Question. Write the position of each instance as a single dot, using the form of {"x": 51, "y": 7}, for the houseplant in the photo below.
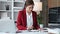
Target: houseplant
{"x": 39, "y": 20}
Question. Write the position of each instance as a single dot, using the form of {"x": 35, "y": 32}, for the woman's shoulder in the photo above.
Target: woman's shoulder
{"x": 21, "y": 11}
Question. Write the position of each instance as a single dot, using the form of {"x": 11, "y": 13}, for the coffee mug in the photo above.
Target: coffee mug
{"x": 41, "y": 25}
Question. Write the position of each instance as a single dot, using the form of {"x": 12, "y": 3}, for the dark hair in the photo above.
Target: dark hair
{"x": 29, "y": 2}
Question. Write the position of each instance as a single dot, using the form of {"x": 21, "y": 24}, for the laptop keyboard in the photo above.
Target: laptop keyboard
{"x": 54, "y": 26}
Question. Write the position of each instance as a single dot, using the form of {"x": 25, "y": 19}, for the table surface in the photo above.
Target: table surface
{"x": 40, "y": 32}
{"x": 34, "y": 33}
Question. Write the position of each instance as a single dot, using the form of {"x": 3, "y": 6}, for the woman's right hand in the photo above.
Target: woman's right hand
{"x": 30, "y": 28}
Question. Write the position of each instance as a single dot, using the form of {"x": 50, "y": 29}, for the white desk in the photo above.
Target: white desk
{"x": 55, "y": 30}
{"x": 27, "y": 33}
{"x": 34, "y": 33}
{"x": 39, "y": 32}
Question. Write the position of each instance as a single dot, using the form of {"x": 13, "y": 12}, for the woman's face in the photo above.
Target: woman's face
{"x": 29, "y": 8}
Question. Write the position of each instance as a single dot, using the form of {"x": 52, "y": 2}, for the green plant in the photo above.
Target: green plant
{"x": 39, "y": 18}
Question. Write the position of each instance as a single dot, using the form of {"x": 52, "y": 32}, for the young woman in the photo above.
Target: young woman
{"x": 27, "y": 19}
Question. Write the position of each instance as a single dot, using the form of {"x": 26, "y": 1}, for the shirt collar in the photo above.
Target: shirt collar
{"x": 27, "y": 13}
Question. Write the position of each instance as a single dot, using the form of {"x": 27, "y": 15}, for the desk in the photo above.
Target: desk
{"x": 27, "y": 33}
{"x": 34, "y": 33}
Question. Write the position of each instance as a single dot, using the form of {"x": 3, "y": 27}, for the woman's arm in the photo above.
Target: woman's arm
{"x": 19, "y": 22}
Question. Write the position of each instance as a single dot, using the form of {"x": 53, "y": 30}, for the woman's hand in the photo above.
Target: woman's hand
{"x": 30, "y": 28}
{"x": 18, "y": 31}
{"x": 40, "y": 29}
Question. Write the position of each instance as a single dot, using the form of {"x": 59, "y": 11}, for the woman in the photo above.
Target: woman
{"x": 27, "y": 19}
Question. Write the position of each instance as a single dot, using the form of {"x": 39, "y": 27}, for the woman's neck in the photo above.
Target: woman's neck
{"x": 29, "y": 13}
